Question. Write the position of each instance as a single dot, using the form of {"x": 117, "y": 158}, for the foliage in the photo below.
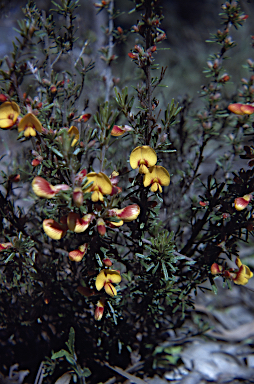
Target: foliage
{"x": 115, "y": 263}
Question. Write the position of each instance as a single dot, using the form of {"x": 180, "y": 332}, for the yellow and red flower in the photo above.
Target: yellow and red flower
{"x": 128, "y": 213}
{"x": 53, "y": 229}
{"x": 156, "y": 177}
{"x": 79, "y": 224}
{"x": 30, "y": 125}
{"x": 98, "y": 313}
{"x": 106, "y": 279}
{"x": 118, "y": 130}
{"x": 241, "y": 109}
{"x": 143, "y": 157}
{"x": 216, "y": 269}
{"x": 4, "y": 246}
{"x": 9, "y": 112}
{"x": 43, "y": 188}
{"x": 101, "y": 226}
{"x": 101, "y": 185}
{"x": 78, "y": 254}
{"x": 78, "y": 197}
{"x": 241, "y": 202}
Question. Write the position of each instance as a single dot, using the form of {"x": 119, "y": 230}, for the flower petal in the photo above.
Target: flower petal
{"x": 29, "y": 121}
{"x": 120, "y": 130}
{"x": 100, "y": 181}
{"x": 100, "y": 280}
{"x": 143, "y": 153}
{"x": 73, "y": 131}
{"x": 77, "y": 224}
{"x": 241, "y": 202}
{"x": 53, "y": 229}
{"x": 236, "y": 108}
{"x": 43, "y": 188}
{"x": 4, "y": 246}
{"x": 78, "y": 254}
{"x": 9, "y": 112}
{"x": 101, "y": 227}
{"x": 110, "y": 289}
{"x": 128, "y": 213}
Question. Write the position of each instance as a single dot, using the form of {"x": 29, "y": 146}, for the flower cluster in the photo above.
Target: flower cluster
{"x": 99, "y": 185}
{"x": 239, "y": 276}
{"x": 144, "y": 158}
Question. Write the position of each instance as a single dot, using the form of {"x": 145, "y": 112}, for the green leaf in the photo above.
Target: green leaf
{"x": 71, "y": 340}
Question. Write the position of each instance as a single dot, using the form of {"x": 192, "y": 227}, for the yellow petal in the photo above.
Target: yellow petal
{"x": 53, "y": 229}
{"x": 100, "y": 181}
{"x": 128, "y": 213}
{"x": 110, "y": 289}
{"x": 9, "y": 112}
{"x": 100, "y": 280}
{"x": 157, "y": 174}
{"x": 43, "y": 188}
{"x": 113, "y": 276}
{"x": 73, "y": 131}
{"x": 145, "y": 153}
{"x": 78, "y": 254}
{"x": 29, "y": 121}
{"x": 77, "y": 224}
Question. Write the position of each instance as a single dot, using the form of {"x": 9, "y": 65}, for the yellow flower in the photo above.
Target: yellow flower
{"x": 9, "y": 112}
{"x": 73, "y": 131}
{"x": 243, "y": 275}
{"x": 158, "y": 176}
{"x": 101, "y": 185}
{"x": 30, "y": 125}
{"x": 142, "y": 158}
{"x": 106, "y": 279}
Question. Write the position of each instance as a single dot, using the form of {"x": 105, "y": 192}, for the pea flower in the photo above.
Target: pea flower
{"x": 216, "y": 269}
{"x": 4, "y": 246}
{"x": 241, "y": 109}
{"x": 156, "y": 177}
{"x": 43, "y": 188}
{"x": 30, "y": 125}
{"x": 118, "y": 130}
{"x": 73, "y": 131}
{"x": 98, "y": 313}
{"x": 77, "y": 196}
{"x": 143, "y": 157}
{"x": 244, "y": 273}
{"x": 106, "y": 279}
{"x": 126, "y": 214}
{"x": 78, "y": 254}
{"x": 239, "y": 277}
{"x": 241, "y": 202}
{"x": 9, "y": 112}
{"x": 101, "y": 185}
{"x": 101, "y": 226}
{"x": 53, "y": 229}
{"x": 78, "y": 224}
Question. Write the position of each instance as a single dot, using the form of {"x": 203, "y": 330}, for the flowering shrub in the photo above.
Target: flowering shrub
{"x": 114, "y": 239}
